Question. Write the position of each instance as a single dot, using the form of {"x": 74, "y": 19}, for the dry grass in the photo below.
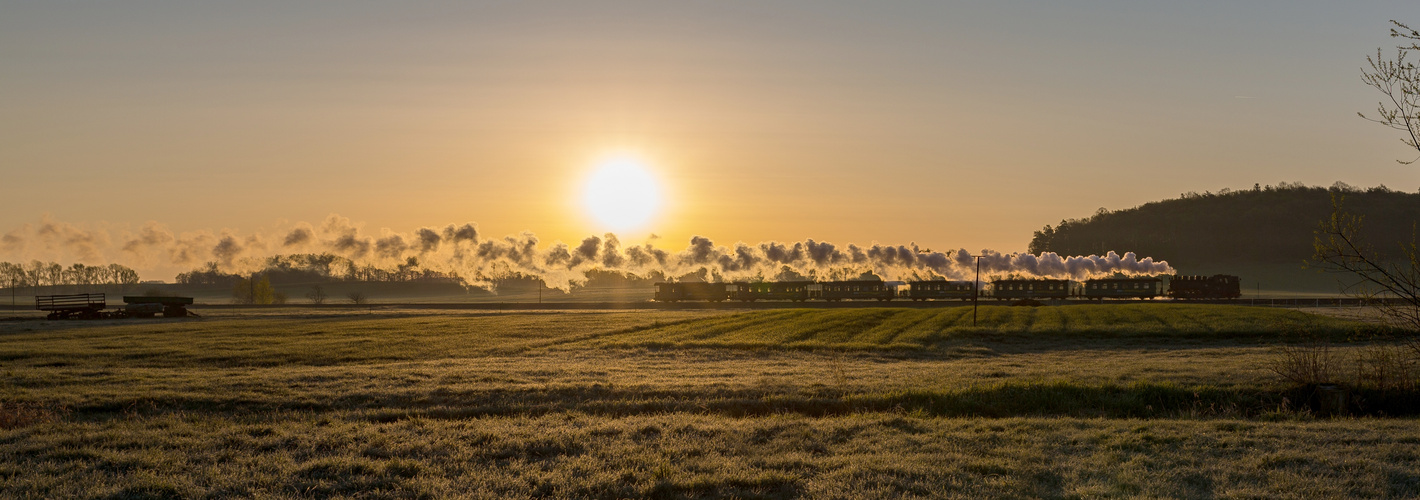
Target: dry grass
{"x": 571, "y": 455}
{"x": 14, "y": 415}
{"x": 915, "y": 329}
{"x": 1091, "y": 402}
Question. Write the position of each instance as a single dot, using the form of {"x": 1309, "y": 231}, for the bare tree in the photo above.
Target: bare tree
{"x": 317, "y": 294}
{"x": 54, "y": 274}
{"x": 14, "y": 276}
{"x": 1394, "y": 281}
{"x": 1338, "y": 244}
{"x": 1399, "y": 80}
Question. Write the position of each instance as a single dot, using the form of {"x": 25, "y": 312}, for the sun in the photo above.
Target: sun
{"x": 621, "y": 193}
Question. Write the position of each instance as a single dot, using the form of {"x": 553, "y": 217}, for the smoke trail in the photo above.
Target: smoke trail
{"x": 84, "y": 243}
{"x": 462, "y": 249}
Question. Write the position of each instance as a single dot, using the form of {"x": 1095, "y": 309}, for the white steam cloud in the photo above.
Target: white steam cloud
{"x": 462, "y": 249}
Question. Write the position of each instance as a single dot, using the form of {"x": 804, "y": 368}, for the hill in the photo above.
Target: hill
{"x": 1265, "y": 232}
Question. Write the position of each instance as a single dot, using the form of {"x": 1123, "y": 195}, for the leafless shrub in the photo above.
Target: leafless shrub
{"x": 357, "y": 297}
{"x": 1305, "y": 365}
{"x": 1381, "y": 367}
{"x": 317, "y": 294}
{"x": 279, "y": 298}
{"x": 1387, "y": 368}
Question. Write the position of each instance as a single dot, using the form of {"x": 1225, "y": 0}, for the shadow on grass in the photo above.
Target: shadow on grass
{"x": 999, "y": 400}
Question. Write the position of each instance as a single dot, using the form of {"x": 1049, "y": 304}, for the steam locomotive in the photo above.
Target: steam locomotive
{"x": 1219, "y": 286}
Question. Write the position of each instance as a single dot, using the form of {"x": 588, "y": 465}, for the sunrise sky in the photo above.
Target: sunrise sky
{"x": 948, "y": 124}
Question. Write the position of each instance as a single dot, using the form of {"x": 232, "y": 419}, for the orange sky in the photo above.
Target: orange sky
{"x": 951, "y": 125}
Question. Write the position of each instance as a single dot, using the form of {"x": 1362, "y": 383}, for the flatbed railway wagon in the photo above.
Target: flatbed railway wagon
{"x": 147, "y": 307}
{"x": 712, "y": 292}
{"x": 1014, "y": 289}
{"x": 1218, "y": 286}
{"x": 78, "y": 305}
{"x": 940, "y": 290}
{"x": 92, "y": 305}
{"x": 1122, "y": 288}
{"x": 795, "y": 291}
{"x": 834, "y": 291}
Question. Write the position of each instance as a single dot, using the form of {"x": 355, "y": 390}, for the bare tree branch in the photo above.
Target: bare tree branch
{"x": 1399, "y": 80}
{"x": 1392, "y": 285}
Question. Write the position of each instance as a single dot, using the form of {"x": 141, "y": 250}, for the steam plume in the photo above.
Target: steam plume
{"x": 462, "y": 249}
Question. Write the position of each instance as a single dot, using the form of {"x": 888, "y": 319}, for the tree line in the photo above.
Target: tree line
{"x": 1265, "y": 224}
{"x": 77, "y": 276}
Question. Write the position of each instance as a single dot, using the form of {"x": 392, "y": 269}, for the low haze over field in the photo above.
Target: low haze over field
{"x": 942, "y": 124}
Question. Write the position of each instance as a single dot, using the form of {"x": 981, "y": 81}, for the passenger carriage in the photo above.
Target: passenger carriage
{"x": 940, "y": 290}
{"x": 1122, "y": 288}
{"x": 1010, "y": 289}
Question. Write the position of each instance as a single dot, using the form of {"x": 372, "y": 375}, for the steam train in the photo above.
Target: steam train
{"x": 1219, "y": 286}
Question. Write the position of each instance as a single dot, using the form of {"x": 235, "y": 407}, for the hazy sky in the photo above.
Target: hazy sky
{"x": 951, "y": 124}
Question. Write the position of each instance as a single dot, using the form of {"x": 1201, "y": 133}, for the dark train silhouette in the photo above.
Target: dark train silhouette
{"x": 1219, "y": 286}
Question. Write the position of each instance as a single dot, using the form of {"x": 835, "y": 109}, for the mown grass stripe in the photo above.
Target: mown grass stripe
{"x": 890, "y": 328}
{"x": 903, "y": 322}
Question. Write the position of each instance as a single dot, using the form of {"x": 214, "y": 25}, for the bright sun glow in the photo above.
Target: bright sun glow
{"x": 621, "y": 194}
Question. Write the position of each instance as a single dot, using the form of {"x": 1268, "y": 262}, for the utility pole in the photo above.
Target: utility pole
{"x": 975, "y": 290}
{"x": 539, "y": 290}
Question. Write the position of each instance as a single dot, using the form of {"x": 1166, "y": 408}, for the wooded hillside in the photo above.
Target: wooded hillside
{"x": 1264, "y": 225}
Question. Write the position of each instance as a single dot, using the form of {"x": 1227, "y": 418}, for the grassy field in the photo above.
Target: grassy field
{"x": 1080, "y": 401}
